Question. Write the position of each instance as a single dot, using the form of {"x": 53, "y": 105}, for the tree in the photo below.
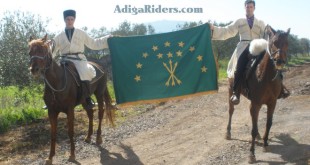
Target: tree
{"x": 94, "y": 33}
{"x": 139, "y": 29}
{"x": 128, "y": 29}
{"x": 188, "y": 25}
{"x": 15, "y": 30}
{"x": 305, "y": 45}
{"x": 294, "y": 47}
{"x": 150, "y": 29}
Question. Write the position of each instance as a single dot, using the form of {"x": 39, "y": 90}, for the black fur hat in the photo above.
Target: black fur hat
{"x": 249, "y": 1}
{"x": 69, "y": 13}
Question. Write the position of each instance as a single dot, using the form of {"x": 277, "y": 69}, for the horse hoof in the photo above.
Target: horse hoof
{"x": 71, "y": 159}
{"x": 99, "y": 141}
{"x": 87, "y": 140}
{"x": 228, "y": 136}
{"x": 48, "y": 162}
{"x": 252, "y": 159}
{"x": 266, "y": 149}
{"x": 258, "y": 137}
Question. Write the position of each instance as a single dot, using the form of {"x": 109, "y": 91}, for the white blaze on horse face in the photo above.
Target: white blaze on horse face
{"x": 34, "y": 69}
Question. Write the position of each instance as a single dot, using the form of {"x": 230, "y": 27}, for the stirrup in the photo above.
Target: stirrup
{"x": 234, "y": 99}
{"x": 284, "y": 94}
{"x": 89, "y": 103}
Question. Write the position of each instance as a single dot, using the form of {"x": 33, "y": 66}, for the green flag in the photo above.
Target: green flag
{"x": 163, "y": 66}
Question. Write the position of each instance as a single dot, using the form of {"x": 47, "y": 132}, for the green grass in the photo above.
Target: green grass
{"x": 222, "y": 68}
{"x": 297, "y": 60}
{"x": 24, "y": 105}
{"x": 20, "y": 106}
{"x": 111, "y": 90}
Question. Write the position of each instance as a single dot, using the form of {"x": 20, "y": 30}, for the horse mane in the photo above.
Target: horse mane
{"x": 40, "y": 45}
{"x": 281, "y": 33}
{"x": 262, "y": 66}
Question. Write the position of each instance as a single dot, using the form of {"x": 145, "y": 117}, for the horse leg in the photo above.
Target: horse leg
{"x": 70, "y": 118}
{"x": 53, "y": 121}
{"x": 100, "y": 117}
{"x": 254, "y": 110}
{"x": 90, "y": 115}
{"x": 270, "y": 111}
{"x": 231, "y": 111}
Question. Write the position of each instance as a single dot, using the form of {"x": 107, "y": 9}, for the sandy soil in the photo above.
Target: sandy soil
{"x": 184, "y": 132}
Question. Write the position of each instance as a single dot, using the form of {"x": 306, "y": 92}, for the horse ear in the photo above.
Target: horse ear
{"x": 30, "y": 38}
{"x": 44, "y": 39}
{"x": 270, "y": 31}
{"x": 288, "y": 31}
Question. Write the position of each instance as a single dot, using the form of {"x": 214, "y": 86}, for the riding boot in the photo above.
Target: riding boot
{"x": 284, "y": 93}
{"x": 241, "y": 66}
{"x": 236, "y": 90}
{"x": 88, "y": 99}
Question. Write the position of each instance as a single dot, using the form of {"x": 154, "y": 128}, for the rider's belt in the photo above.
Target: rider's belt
{"x": 72, "y": 53}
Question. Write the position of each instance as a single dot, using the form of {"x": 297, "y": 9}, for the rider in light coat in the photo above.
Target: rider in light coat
{"x": 249, "y": 28}
{"x": 70, "y": 45}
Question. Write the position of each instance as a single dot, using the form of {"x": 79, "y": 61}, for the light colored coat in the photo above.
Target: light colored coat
{"x": 79, "y": 39}
{"x": 246, "y": 36}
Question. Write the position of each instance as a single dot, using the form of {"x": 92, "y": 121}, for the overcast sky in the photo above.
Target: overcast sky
{"x": 280, "y": 14}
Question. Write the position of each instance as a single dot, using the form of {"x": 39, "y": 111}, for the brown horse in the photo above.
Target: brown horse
{"x": 263, "y": 85}
{"x": 61, "y": 93}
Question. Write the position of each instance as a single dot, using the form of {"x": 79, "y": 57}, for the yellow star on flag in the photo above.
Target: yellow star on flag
{"x": 160, "y": 55}
{"x": 179, "y": 53}
{"x": 204, "y": 69}
{"x": 181, "y": 44}
{"x": 170, "y": 55}
{"x": 138, "y": 78}
{"x": 139, "y": 65}
{"x": 167, "y": 44}
{"x": 155, "y": 48}
{"x": 192, "y": 48}
{"x": 145, "y": 55}
{"x": 199, "y": 58}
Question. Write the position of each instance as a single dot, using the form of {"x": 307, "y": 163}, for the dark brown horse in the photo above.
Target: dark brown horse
{"x": 264, "y": 85}
{"x": 61, "y": 93}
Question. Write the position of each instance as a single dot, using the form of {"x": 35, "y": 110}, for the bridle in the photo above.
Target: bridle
{"x": 272, "y": 50}
{"x": 48, "y": 63}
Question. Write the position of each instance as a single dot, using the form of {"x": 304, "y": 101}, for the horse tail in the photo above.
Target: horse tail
{"x": 110, "y": 109}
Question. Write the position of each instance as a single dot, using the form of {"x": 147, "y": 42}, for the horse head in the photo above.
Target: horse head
{"x": 278, "y": 46}
{"x": 40, "y": 55}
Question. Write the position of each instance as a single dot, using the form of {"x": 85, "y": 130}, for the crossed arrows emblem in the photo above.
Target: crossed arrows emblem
{"x": 172, "y": 77}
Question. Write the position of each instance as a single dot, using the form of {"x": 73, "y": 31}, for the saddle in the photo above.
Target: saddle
{"x": 251, "y": 66}
{"x": 83, "y": 90}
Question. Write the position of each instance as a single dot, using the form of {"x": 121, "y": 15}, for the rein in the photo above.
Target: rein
{"x": 268, "y": 49}
{"x": 53, "y": 89}
{"x": 271, "y": 55}
{"x": 45, "y": 57}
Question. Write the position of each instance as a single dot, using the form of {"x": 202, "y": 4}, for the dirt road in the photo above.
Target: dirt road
{"x": 185, "y": 132}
